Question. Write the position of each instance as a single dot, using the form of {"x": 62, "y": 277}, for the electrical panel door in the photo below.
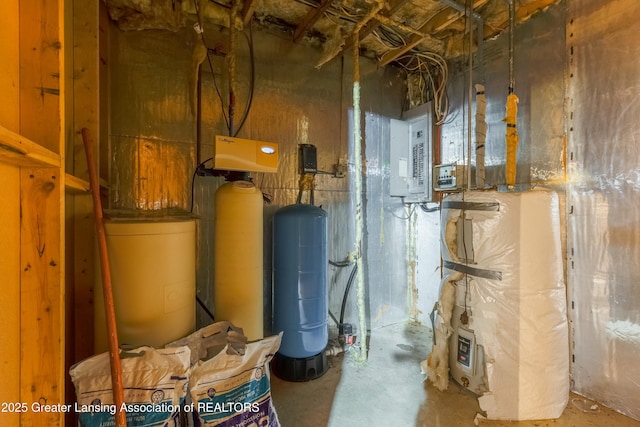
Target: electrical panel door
{"x": 411, "y": 150}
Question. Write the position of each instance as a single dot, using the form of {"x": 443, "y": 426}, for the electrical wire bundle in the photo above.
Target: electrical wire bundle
{"x": 430, "y": 68}
{"x": 249, "y": 39}
{"x": 433, "y": 74}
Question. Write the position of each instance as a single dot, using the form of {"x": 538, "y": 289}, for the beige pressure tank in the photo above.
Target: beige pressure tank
{"x": 238, "y": 276}
{"x": 153, "y": 278}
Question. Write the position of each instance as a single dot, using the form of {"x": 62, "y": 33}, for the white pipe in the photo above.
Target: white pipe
{"x": 480, "y": 60}
{"x": 471, "y": 14}
{"x": 479, "y": 22}
{"x": 358, "y": 165}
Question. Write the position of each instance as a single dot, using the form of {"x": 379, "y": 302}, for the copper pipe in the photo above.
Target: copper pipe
{"x": 112, "y": 333}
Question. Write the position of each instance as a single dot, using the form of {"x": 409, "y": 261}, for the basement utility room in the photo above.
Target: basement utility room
{"x": 317, "y": 213}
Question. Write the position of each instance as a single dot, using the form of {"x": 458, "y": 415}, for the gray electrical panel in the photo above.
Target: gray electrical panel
{"x": 411, "y": 155}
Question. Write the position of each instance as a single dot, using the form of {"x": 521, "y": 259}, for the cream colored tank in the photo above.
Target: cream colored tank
{"x": 153, "y": 279}
{"x": 238, "y": 276}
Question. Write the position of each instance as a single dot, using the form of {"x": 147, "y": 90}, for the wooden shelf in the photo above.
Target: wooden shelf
{"x": 18, "y": 150}
{"x": 75, "y": 185}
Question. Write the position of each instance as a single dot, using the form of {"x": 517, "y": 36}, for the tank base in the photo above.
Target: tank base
{"x": 299, "y": 369}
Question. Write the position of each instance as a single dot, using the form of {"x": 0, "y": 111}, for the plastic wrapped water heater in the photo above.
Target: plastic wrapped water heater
{"x": 300, "y": 295}
{"x": 153, "y": 272}
{"x": 510, "y": 344}
{"x": 238, "y": 276}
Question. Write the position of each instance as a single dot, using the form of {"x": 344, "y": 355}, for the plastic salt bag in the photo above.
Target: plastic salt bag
{"x": 155, "y": 387}
{"x": 211, "y": 340}
{"x": 234, "y": 390}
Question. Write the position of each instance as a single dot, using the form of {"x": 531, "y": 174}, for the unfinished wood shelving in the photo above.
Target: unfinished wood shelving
{"x": 18, "y": 150}
{"x": 32, "y": 201}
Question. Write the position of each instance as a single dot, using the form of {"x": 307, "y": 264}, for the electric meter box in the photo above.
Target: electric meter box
{"x": 411, "y": 155}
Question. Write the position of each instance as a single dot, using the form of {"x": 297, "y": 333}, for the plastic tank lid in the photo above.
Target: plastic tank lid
{"x": 147, "y": 226}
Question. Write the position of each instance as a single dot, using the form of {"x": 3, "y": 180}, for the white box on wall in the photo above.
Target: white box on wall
{"x": 411, "y": 155}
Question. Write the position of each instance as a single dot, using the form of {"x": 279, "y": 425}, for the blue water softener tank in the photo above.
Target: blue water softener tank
{"x": 300, "y": 296}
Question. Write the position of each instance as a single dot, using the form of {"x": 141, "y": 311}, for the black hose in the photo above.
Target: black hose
{"x": 344, "y": 298}
{"x": 204, "y": 307}
{"x": 251, "y": 82}
{"x": 340, "y": 263}
{"x": 193, "y": 180}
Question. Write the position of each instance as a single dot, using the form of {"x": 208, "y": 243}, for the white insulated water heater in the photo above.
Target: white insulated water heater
{"x": 510, "y": 333}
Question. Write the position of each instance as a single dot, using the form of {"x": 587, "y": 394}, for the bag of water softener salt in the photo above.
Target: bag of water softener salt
{"x": 234, "y": 390}
{"x": 211, "y": 340}
{"x": 155, "y": 386}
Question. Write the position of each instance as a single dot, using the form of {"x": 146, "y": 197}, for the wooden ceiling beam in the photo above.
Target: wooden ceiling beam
{"x": 310, "y": 19}
{"x": 388, "y": 13}
{"x": 247, "y": 11}
{"x": 442, "y": 20}
{"x": 445, "y": 17}
{"x": 526, "y": 10}
{"x": 394, "y": 54}
{"x": 523, "y": 13}
{"x": 395, "y": 5}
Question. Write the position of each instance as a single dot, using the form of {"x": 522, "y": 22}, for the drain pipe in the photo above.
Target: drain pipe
{"x": 512, "y": 108}
{"x": 512, "y": 25}
{"x": 479, "y": 22}
{"x": 471, "y": 15}
{"x": 481, "y": 107}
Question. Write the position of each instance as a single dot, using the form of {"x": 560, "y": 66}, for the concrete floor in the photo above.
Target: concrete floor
{"x": 388, "y": 390}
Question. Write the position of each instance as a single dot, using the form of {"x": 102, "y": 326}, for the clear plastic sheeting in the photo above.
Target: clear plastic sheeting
{"x": 387, "y": 222}
{"x": 427, "y": 263}
{"x": 602, "y": 201}
{"x": 513, "y": 294}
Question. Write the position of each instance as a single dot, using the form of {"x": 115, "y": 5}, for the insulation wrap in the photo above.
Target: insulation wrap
{"x": 519, "y": 316}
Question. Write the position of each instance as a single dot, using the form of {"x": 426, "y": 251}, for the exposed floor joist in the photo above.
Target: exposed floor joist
{"x": 310, "y": 19}
{"x": 439, "y": 23}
